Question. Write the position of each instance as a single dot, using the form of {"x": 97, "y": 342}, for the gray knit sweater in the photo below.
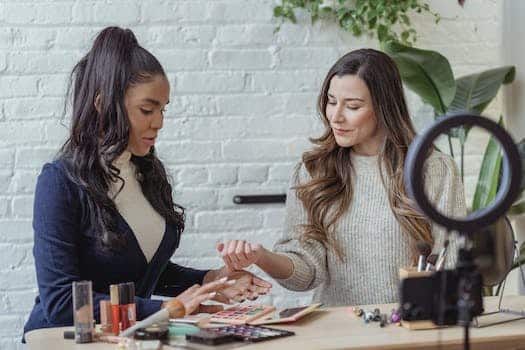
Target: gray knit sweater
{"x": 371, "y": 239}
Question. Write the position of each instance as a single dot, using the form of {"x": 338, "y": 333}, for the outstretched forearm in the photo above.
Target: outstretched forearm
{"x": 276, "y": 265}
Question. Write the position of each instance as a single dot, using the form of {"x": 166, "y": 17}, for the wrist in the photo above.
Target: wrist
{"x": 214, "y": 275}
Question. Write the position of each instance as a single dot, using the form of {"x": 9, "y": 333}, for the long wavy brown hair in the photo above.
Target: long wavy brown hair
{"x": 328, "y": 194}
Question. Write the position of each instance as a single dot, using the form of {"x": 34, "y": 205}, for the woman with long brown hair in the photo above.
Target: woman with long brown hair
{"x": 350, "y": 225}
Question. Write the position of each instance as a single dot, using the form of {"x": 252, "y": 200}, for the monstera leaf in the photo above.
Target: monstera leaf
{"x": 426, "y": 73}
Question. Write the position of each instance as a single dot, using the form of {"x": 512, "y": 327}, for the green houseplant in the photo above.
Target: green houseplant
{"x": 386, "y": 19}
{"x": 429, "y": 75}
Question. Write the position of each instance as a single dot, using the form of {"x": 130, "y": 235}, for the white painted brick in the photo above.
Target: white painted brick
{"x": 281, "y": 172}
{"x": 252, "y": 173}
{"x": 228, "y": 220}
{"x": 241, "y": 11}
{"x": 241, "y": 59}
{"x": 5, "y": 204}
{"x": 222, "y": 175}
{"x": 205, "y": 248}
{"x": 54, "y": 85}
{"x": 56, "y": 132}
{"x": 302, "y": 103}
{"x": 96, "y": 12}
{"x": 33, "y": 158}
{"x": 188, "y": 151}
{"x": 244, "y": 35}
{"x": 3, "y": 61}
{"x": 33, "y": 108}
{"x": 174, "y": 12}
{"x": 22, "y": 301}
{"x": 19, "y": 278}
{"x": 192, "y": 176}
{"x": 18, "y": 86}
{"x": 37, "y": 62}
{"x": 181, "y": 60}
{"x": 195, "y": 36}
{"x": 192, "y": 105}
{"x": 20, "y": 132}
{"x": 274, "y": 218}
{"x": 22, "y": 207}
{"x": 5, "y": 179}
{"x": 7, "y": 158}
{"x": 296, "y": 147}
{"x": 297, "y": 58}
{"x": 13, "y": 255}
{"x": 246, "y": 105}
{"x": 6, "y": 37}
{"x": 16, "y": 231}
{"x": 4, "y": 304}
{"x": 9, "y": 323}
{"x": 255, "y": 150}
{"x": 76, "y": 37}
{"x": 33, "y": 38}
{"x": 195, "y": 198}
{"x": 286, "y": 81}
{"x": 291, "y": 35}
{"x": 23, "y": 181}
{"x": 204, "y": 82}
{"x": 44, "y": 13}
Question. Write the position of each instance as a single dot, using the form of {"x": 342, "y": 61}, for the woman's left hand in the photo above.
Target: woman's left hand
{"x": 246, "y": 286}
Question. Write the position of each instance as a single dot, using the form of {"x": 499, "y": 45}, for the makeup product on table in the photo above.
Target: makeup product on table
{"x": 442, "y": 256}
{"x": 83, "y": 311}
{"x": 241, "y": 314}
{"x": 431, "y": 262}
{"x": 377, "y": 315}
{"x": 383, "y": 321}
{"x": 249, "y": 333}
{"x": 106, "y": 320}
{"x": 115, "y": 308}
{"x": 153, "y": 332}
{"x": 286, "y": 315}
{"x": 357, "y": 311}
{"x": 128, "y": 315}
{"x": 160, "y": 316}
{"x": 209, "y": 337}
{"x": 424, "y": 250}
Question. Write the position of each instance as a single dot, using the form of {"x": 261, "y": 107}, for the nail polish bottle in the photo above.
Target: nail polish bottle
{"x": 83, "y": 311}
{"x": 115, "y": 308}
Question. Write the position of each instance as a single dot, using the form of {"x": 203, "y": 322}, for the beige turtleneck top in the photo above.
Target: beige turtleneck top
{"x": 147, "y": 225}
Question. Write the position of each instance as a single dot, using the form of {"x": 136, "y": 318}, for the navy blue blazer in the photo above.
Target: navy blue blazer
{"x": 66, "y": 250}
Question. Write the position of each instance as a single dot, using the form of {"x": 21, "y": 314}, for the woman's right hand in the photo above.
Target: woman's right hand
{"x": 192, "y": 297}
{"x": 238, "y": 255}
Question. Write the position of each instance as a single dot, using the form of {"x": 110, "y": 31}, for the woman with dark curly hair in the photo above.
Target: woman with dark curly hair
{"x": 104, "y": 210}
{"x": 350, "y": 225}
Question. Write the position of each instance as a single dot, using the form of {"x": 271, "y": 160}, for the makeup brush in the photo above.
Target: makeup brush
{"x": 431, "y": 262}
{"x": 442, "y": 256}
{"x": 424, "y": 250}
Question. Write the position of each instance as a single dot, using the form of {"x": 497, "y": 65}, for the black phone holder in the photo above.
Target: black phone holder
{"x": 455, "y": 296}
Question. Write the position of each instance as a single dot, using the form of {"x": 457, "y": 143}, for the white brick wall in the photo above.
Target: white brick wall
{"x": 242, "y": 108}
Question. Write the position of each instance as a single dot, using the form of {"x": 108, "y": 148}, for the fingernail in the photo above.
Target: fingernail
{"x": 212, "y": 294}
{"x": 224, "y": 279}
{"x": 231, "y": 282}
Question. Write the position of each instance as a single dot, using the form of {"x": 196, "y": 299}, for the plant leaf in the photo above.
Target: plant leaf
{"x": 427, "y": 73}
{"x": 517, "y": 208}
{"x": 489, "y": 174}
{"x": 474, "y": 92}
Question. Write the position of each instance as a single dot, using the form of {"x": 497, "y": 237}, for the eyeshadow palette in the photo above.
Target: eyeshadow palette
{"x": 241, "y": 314}
{"x": 287, "y": 315}
{"x": 249, "y": 333}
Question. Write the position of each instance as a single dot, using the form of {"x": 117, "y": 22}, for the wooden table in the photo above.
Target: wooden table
{"x": 336, "y": 328}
